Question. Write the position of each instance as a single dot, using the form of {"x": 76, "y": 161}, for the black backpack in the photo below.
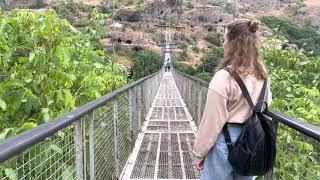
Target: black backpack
{"x": 254, "y": 152}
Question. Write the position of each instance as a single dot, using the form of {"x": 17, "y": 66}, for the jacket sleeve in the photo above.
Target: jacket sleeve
{"x": 214, "y": 117}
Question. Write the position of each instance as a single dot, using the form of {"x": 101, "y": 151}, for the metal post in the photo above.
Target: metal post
{"x": 139, "y": 108}
{"x": 84, "y": 148}
{"x": 91, "y": 145}
{"x": 269, "y": 175}
{"x": 79, "y": 150}
{"x": 199, "y": 107}
{"x": 130, "y": 119}
{"x": 116, "y": 140}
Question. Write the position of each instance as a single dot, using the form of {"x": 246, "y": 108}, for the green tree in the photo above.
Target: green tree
{"x": 210, "y": 60}
{"x": 146, "y": 62}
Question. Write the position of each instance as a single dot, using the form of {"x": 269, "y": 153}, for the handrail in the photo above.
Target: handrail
{"x": 17, "y": 144}
{"x": 202, "y": 82}
{"x": 294, "y": 123}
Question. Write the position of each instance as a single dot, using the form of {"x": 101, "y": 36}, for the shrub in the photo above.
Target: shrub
{"x": 183, "y": 55}
{"x": 183, "y": 45}
{"x": 195, "y": 49}
{"x": 304, "y": 36}
{"x": 204, "y": 76}
{"x": 210, "y": 60}
{"x": 128, "y": 15}
{"x": 214, "y": 38}
{"x": 146, "y": 62}
{"x": 189, "y": 5}
{"x": 185, "y": 68}
{"x": 217, "y": 2}
{"x": 173, "y": 2}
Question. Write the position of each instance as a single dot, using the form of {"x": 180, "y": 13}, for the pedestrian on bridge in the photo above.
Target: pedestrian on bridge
{"x": 225, "y": 102}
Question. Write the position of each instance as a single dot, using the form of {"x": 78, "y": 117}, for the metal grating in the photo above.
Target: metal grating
{"x": 180, "y": 113}
{"x": 180, "y": 126}
{"x": 156, "y": 113}
{"x": 165, "y": 149}
{"x": 157, "y": 126}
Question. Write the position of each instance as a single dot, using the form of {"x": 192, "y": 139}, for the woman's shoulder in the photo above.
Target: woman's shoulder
{"x": 221, "y": 83}
{"x": 220, "y": 78}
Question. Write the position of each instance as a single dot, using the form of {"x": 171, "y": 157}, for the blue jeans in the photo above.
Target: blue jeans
{"x": 216, "y": 164}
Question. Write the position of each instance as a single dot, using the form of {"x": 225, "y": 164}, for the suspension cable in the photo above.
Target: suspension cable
{"x": 113, "y": 46}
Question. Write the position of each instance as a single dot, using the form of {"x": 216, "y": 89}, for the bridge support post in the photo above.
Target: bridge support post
{"x": 91, "y": 145}
{"x": 199, "y": 106}
{"x": 130, "y": 120}
{"x": 78, "y": 138}
{"x": 139, "y": 108}
{"x": 116, "y": 138}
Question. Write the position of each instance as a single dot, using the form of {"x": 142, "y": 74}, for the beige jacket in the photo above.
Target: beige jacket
{"x": 225, "y": 103}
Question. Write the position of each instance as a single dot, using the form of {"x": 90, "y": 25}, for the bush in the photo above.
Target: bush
{"x": 217, "y": 2}
{"x": 204, "y": 76}
{"x": 128, "y": 15}
{"x": 295, "y": 86}
{"x": 55, "y": 69}
{"x": 189, "y": 5}
{"x": 37, "y": 5}
{"x": 214, "y": 38}
{"x": 184, "y": 68}
{"x": 195, "y": 49}
{"x": 304, "y": 36}
{"x": 210, "y": 60}
{"x": 183, "y": 55}
{"x": 173, "y": 2}
{"x": 146, "y": 62}
{"x": 183, "y": 45}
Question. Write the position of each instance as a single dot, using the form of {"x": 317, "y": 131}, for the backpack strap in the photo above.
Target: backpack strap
{"x": 227, "y": 137}
{"x": 246, "y": 94}
{"x": 261, "y": 100}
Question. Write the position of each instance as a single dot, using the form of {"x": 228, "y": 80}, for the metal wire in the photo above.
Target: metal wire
{"x": 108, "y": 133}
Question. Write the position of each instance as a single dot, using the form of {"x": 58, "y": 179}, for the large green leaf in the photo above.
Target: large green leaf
{"x": 11, "y": 174}
{"x": 7, "y": 133}
{"x": 26, "y": 126}
{"x": 68, "y": 173}
{"x": 3, "y": 105}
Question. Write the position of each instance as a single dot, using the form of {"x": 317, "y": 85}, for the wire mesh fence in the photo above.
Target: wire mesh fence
{"x": 298, "y": 143}
{"x": 94, "y": 146}
{"x": 193, "y": 92}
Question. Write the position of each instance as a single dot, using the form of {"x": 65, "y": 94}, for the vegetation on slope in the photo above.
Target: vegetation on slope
{"x": 304, "y": 36}
{"x": 48, "y": 68}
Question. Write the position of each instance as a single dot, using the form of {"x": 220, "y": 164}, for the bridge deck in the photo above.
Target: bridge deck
{"x": 163, "y": 148}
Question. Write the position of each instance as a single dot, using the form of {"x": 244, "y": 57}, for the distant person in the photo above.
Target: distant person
{"x": 168, "y": 66}
{"x": 225, "y": 103}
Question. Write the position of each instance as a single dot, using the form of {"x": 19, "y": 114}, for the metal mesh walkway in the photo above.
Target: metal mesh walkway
{"x": 163, "y": 148}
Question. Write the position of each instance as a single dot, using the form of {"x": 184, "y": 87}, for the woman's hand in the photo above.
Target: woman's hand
{"x": 199, "y": 164}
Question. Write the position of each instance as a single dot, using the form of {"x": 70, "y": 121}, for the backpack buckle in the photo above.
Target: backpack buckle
{"x": 229, "y": 143}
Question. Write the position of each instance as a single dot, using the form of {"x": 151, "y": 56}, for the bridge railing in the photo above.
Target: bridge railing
{"x": 91, "y": 142}
{"x": 296, "y": 140}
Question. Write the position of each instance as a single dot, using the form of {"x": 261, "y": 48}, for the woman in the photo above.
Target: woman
{"x": 225, "y": 103}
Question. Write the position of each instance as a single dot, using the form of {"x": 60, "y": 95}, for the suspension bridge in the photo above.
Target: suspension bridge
{"x": 144, "y": 130}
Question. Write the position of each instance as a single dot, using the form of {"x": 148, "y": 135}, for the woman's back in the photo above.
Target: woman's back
{"x": 225, "y": 102}
{"x": 237, "y": 106}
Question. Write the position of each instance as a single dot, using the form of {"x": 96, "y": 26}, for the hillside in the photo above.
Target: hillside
{"x": 134, "y": 26}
